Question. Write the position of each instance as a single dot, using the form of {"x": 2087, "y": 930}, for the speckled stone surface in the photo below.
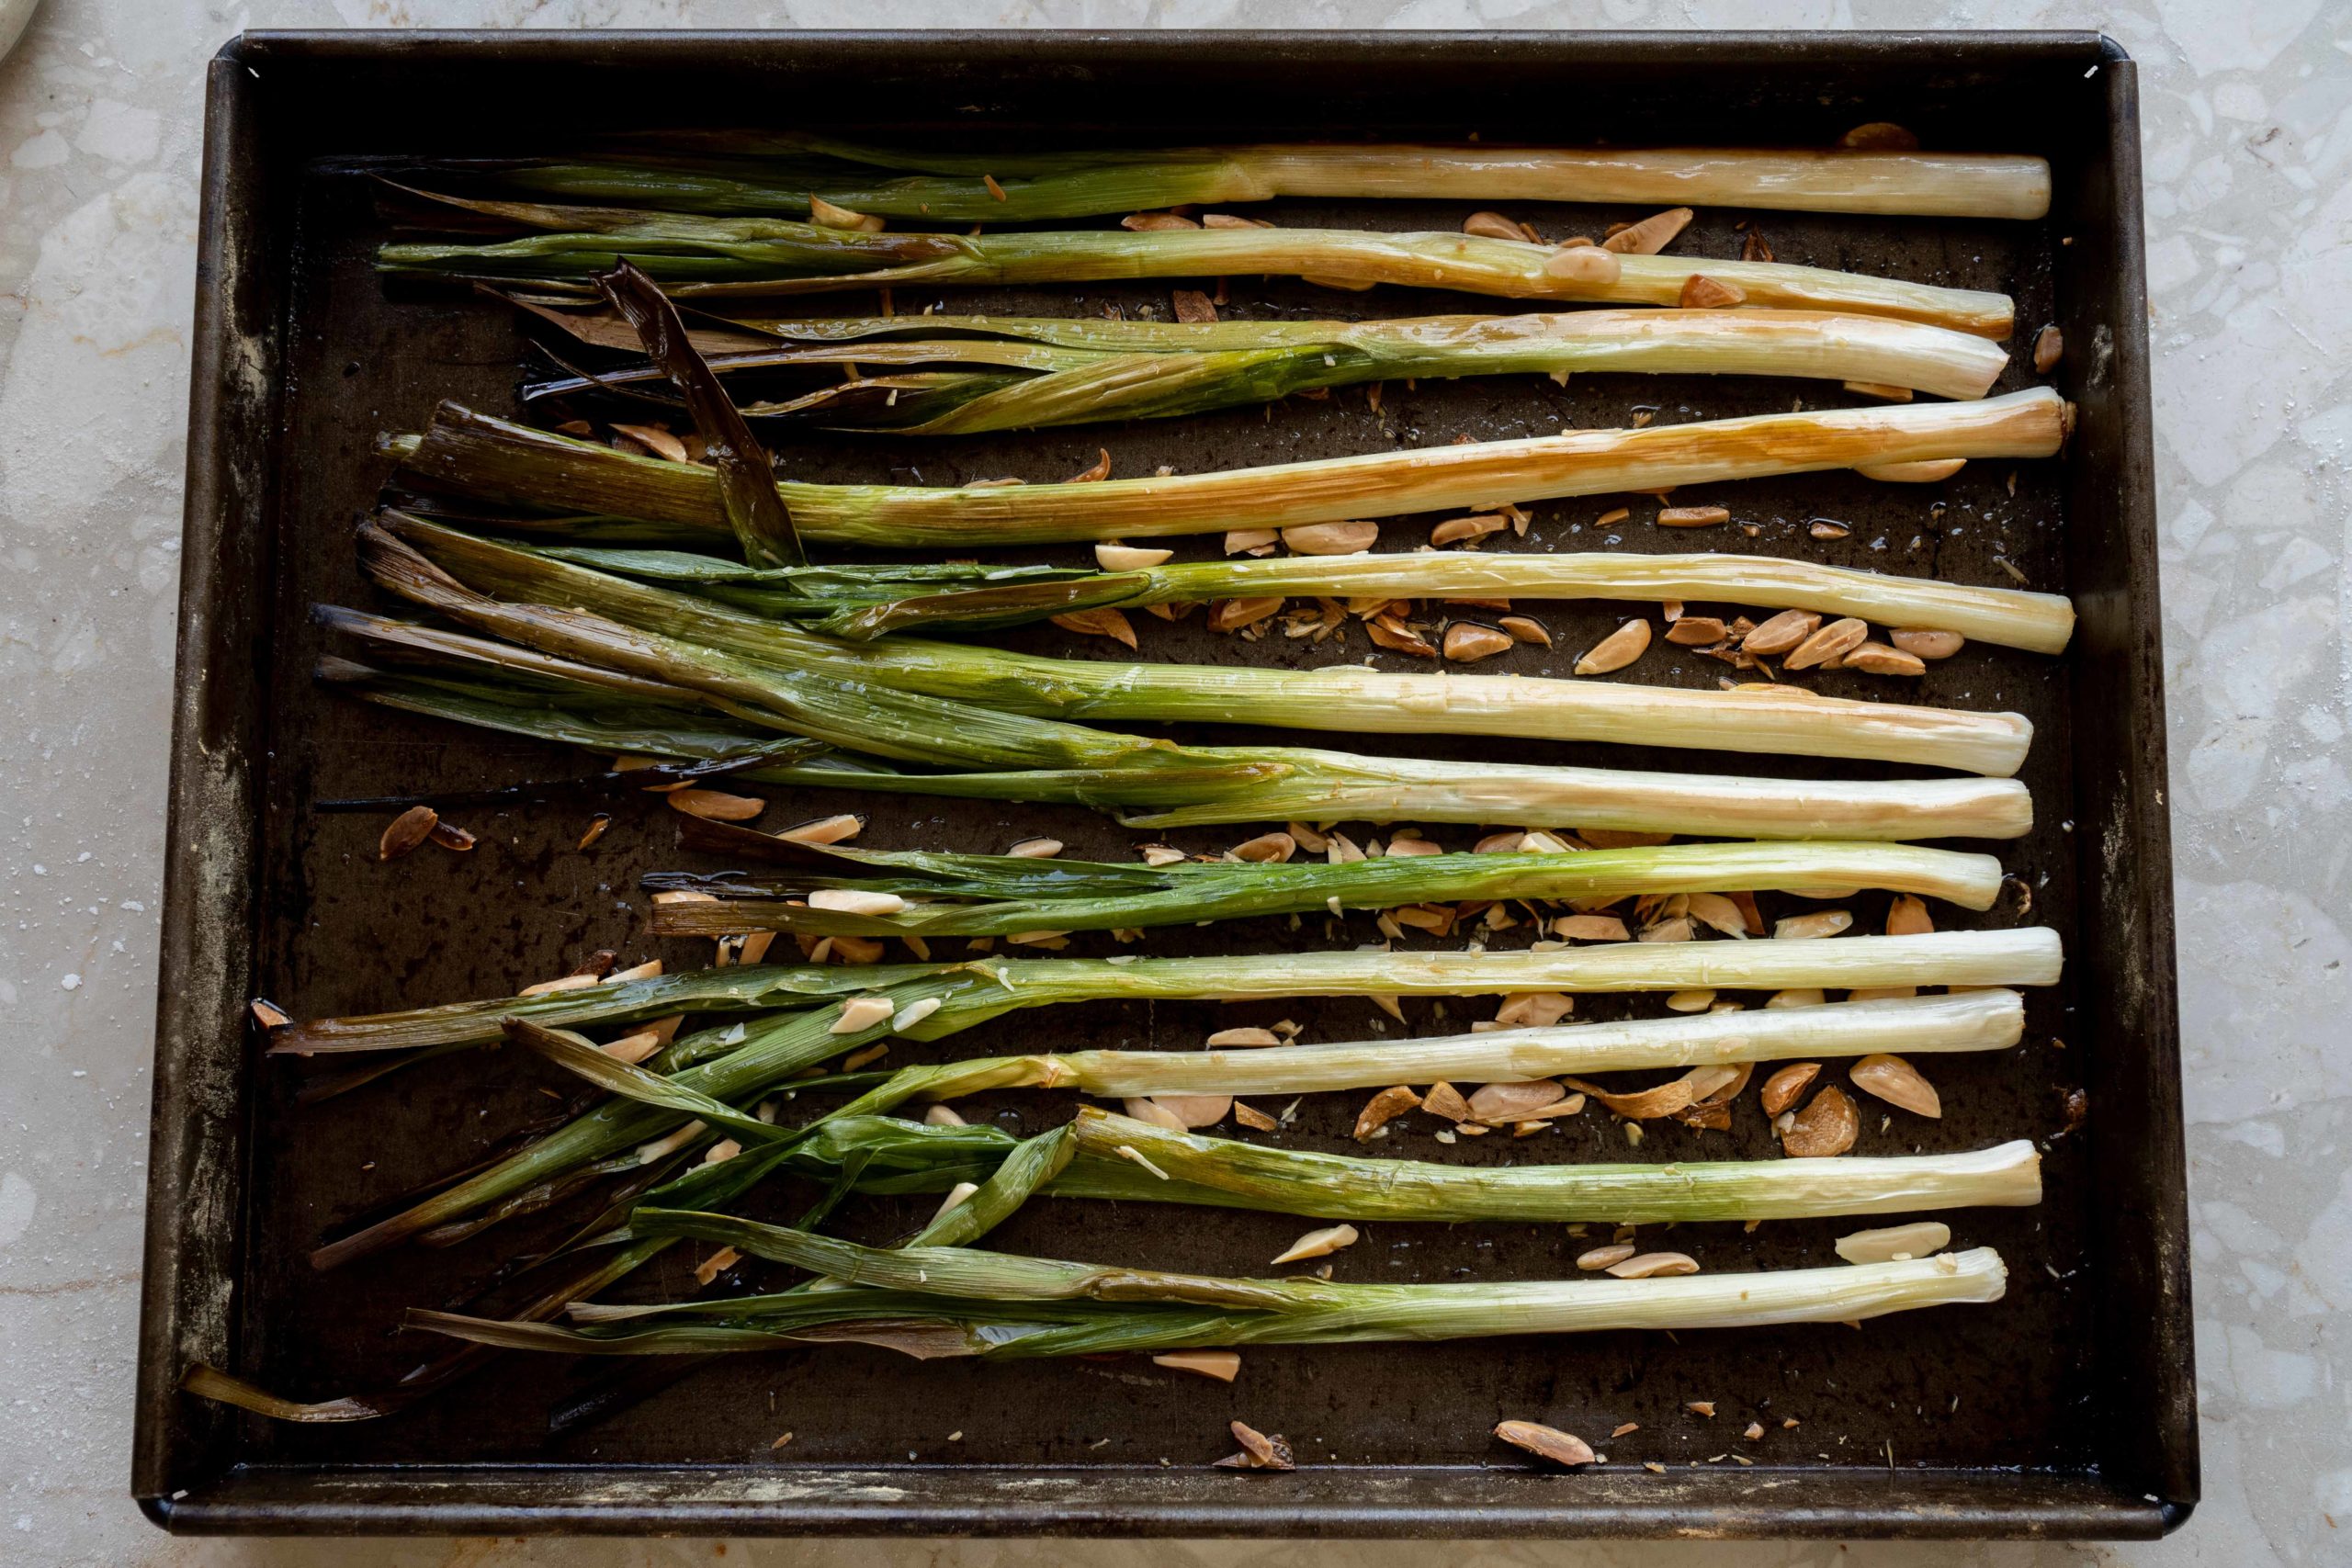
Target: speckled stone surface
{"x": 2249, "y": 106}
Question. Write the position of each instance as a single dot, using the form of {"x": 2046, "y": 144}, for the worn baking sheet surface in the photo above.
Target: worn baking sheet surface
{"x": 2002, "y": 1388}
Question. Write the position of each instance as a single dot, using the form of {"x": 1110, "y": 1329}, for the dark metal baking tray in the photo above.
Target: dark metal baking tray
{"x": 2065, "y": 1411}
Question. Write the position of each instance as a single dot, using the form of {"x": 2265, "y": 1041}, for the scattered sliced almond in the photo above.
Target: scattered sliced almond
{"x": 1600, "y": 1258}
{"x": 1783, "y": 1087}
{"x": 825, "y": 830}
{"x": 1897, "y": 1082}
{"x": 1192, "y": 1111}
{"x": 1880, "y": 136}
{"x": 1385, "y": 1107}
{"x": 1834, "y": 640}
{"x": 855, "y": 901}
{"x": 1701, "y": 292}
{"x": 1445, "y": 1102}
{"x": 2049, "y": 347}
{"x": 1651, "y": 235}
{"x": 1534, "y": 1009}
{"x": 826, "y": 215}
{"x": 1391, "y": 632}
{"x": 1924, "y": 644}
{"x": 1248, "y": 1035}
{"x": 715, "y": 805}
{"x": 1540, "y": 842}
{"x": 1691, "y": 516}
{"x": 1796, "y": 997}
{"x": 1676, "y": 928}
{"x": 656, "y": 440}
{"x": 1332, "y": 538}
{"x": 1547, "y": 1442}
{"x": 1695, "y": 631}
{"x": 1926, "y": 472}
{"x": 1128, "y": 558}
{"x": 1453, "y": 530}
{"x": 450, "y": 837}
{"x": 717, "y": 1263}
{"x": 1232, "y": 615}
{"x": 1229, "y": 220}
{"x": 1820, "y": 923}
{"x": 1780, "y": 633}
{"x": 1250, "y": 541}
{"x": 1523, "y": 629}
{"x": 1307, "y": 838}
{"x": 1501, "y": 843}
{"x": 1267, "y": 848}
{"x": 1663, "y": 1099}
{"x": 1655, "y": 1266}
{"x": 1146, "y": 222}
{"x": 1151, "y": 1111}
{"x": 1342, "y": 849}
{"x": 1259, "y": 1451}
{"x": 1825, "y": 1128}
{"x": 1466, "y": 642}
{"x": 1587, "y": 263}
{"x": 1104, "y": 621}
{"x": 1895, "y": 1244}
{"x": 941, "y": 1116}
{"x": 1704, "y": 1407}
{"x": 1222, "y": 1365}
{"x": 1616, "y": 650}
{"x": 866, "y": 1056}
{"x": 1160, "y": 854}
{"x": 560, "y": 983}
{"x": 596, "y": 826}
{"x": 1403, "y": 848}
{"x": 958, "y": 1196}
{"x": 1319, "y": 1243}
{"x": 1908, "y": 916}
{"x": 1493, "y": 226}
{"x": 1191, "y": 305}
{"x": 1495, "y": 1104}
{"x": 861, "y": 1014}
{"x": 408, "y": 831}
{"x": 1877, "y": 658}
{"x": 1590, "y": 928}
{"x": 1250, "y": 1116}
{"x": 1689, "y": 1001}
{"x": 1714, "y": 910}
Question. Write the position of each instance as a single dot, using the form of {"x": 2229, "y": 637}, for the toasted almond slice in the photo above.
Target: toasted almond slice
{"x": 1600, "y": 1258}
{"x": 1547, "y": 1442}
{"x": 1587, "y": 263}
{"x": 1646, "y": 1105}
{"x": 1898, "y": 1083}
{"x": 831, "y": 830}
{"x": 1590, "y": 928}
{"x": 1880, "y": 136}
{"x": 407, "y": 830}
{"x": 596, "y": 826}
{"x": 1128, "y": 558}
{"x": 1825, "y": 1128}
{"x": 1923, "y": 643}
{"x": 1534, "y": 1009}
{"x": 1466, "y": 642}
{"x": 1689, "y": 1001}
{"x": 1385, "y": 1107}
{"x": 717, "y": 1263}
{"x": 1540, "y": 842}
{"x": 1834, "y": 640}
{"x": 269, "y": 1015}
{"x": 855, "y": 901}
{"x": 1895, "y": 1244}
{"x": 1232, "y": 615}
{"x": 656, "y": 440}
{"x": 1501, "y": 843}
{"x": 1267, "y": 848}
{"x": 1319, "y": 1243}
{"x": 1820, "y": 923}
{"x": 1246, "y": 1036}
{"x": 1391, "y": 632}
{"x": 1103, "y": 622}
{"x": 826, "y": 215}
{"x": 859, "y": 1013}
{"x": 1196, "y": 1109}
{"x": 1651, "y": 235}
{"x": 1786, "y": 1085}
{"x": 1445, "y": 1102}
{"x": 1146, "y": 222}
{"x": 1492, "y": 226}
{"x": 1222, "y": 1365}
{"x": 1342, "y": 849}
{"x": 1655, "y": 1266}
{"x": 1453, "y": 530}
{"x": 560, "y": 983}
{"x": 1701, "y": 292}
{"x": 1796, "y": 997}
{"x": 1702, "y": 1407}
{"x": 448, "y": 836}
{"x": 1191, "y": 305}
{"x": 1877, "y": 658}
{"x": 1714, "y": 910}
{"x": 1160, "y": 854}
{"x": 1616, "y": 650}
{"x": 1259, "y": 1451}
{"x": 1250, "y": 1116}
{"x": 942, "y": 1116}
{"x": 2049, "y": 347}
{"x": 1692, "y": 516}
{"x": 1402, "y": 848}
{"x": 715, "y": 805}
{"x": 1151, "y": 1111}
{"x": 1693, "y": 631}
{"x": 1926, "y": 472}
{"x": 1229, "y": 220}
{"x": 1780, "y": 633}
{"x": 1496, "y": 1103}
{"x": 1677, "y": 929}
{"x": 1908, "y": 916}
{"x": 1332, "y": 538}
{"x": 632, "y": 1048}
{"x": 1242, "y": 541}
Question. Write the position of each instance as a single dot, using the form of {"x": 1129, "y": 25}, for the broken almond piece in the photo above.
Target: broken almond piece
{"x": 1924, "y": 644}
{"x": 1332, "y": 538}
{"x": 1926, "y": 472}
{"x": 1702, "y": 1407}
{"x": 1250, "y": 1116}
{"x": 1384, "y": 1107}
{"x": 1908, "y": 916}
{"x": 1651, "y": 235}
{"x": 1524, "y": 630}
{"x": 1246, "y": 1036}
{"x": 1103, "y": 622}
{"x": 1129, "y": 557}
{"x": 1403, "y": 848}
{"x": 1895, "y": 1244}
{"x": 855, "y": 901}
{"x": 1701, "y": 292}
{"x": 1391, "y": 632}
{"x": 1798, "y": 997}
{"x": 409, "y": 830}
{"x": 1250, "y": 541}
{"x": 1897, "y": 1082}
{"x": 1547, "y": 1442}
{"x": 1534, "y": 1009}
{"x": 1493, "y": 226}
{"x": 1496, "y": 1103}
{"x": 715, "y": 806}
{"x": 1616, "y": 650}
{"x": 1655, "y": 1266}
{"x": 1780, "y": 633}
{"x": 1319, "y": 1243}
{"x": 656, "y": 440}
{"x": 1884, "y": 391}
{"x": 1833, "y": 641}
{"x": 1600, "y": 1258}
{"x": 2049, "y": 347}
{"x": 831, "y": 830}
{"x": 1222, "y": 1365}
{"x": 1877, "y": 658}
{"x": 826, "y": 215}
{"x": 1783, "y": 1087}
{"x": 1453, "y": 530}
{"x": 1826, "y": 1128}
{"x": 1692, "y": 516}
{"x": 1695, "y": 631}
{"x": 1036, "y": 849}
{"x": 1466, "y": 642}
{"x": 1589, "y": 928}
{"x": 1152, "y": 1112}
{"x": 1192, "y": 1111}
{"x": 1267, "y": 849}
{"x": 1445, "y": 1102}
{"x": 859, "y": 1013}
{"x": 1880, "y": 136}
{"x": 1146, "y": 223}
{"x": 1191, "y": 305}
{"x": 1259, "y": 1451}
{"x": 1820, "y": 923}
{"x": 450, "y": 837}
{"x": 1232, "y": 615}
{"x": 1714, "y": 910}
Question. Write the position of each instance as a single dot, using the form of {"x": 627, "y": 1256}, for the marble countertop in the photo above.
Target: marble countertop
{"x": 2248, "y": 123}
